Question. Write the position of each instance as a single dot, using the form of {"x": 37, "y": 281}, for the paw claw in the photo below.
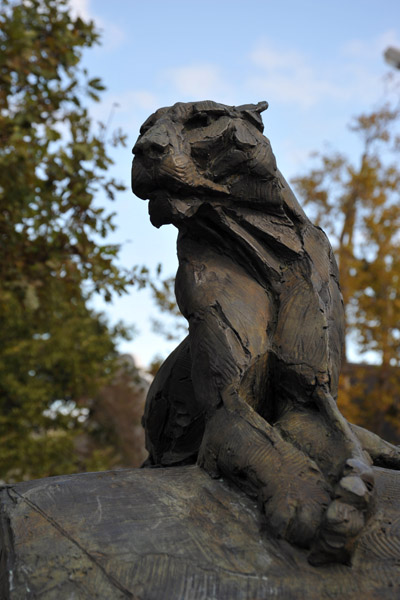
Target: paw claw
{"x": 357, "y": 485}
{"x": 346, "y": 515}
{"x": 353, "y": 485}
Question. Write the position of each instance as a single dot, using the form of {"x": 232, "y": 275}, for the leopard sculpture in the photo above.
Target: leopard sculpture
{"x": 251, "y": 392}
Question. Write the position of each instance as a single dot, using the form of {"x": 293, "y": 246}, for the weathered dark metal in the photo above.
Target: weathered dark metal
{"x": 251, "y": 393}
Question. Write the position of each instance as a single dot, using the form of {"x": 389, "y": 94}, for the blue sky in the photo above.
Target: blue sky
{"x": 317, "y": 63}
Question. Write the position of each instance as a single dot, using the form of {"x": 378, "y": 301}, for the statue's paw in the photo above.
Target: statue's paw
{"x": 346, "y": 515}
{"x": 340, "y": 527}
{"x": 295, "y": 516}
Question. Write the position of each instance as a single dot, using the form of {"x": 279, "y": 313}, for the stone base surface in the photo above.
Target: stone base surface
{"x": 175, "y": 534}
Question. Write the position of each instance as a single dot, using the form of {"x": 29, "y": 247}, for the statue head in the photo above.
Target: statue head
{"x": 197, "y": 151}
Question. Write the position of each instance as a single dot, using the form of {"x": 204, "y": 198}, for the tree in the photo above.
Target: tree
{"x": 54, "y": 349}
{"x": 358, "y": 205}
{"x": 114, "y": 431}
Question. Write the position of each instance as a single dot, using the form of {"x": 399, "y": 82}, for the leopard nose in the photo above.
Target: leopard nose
{"x": 153, "y": 141}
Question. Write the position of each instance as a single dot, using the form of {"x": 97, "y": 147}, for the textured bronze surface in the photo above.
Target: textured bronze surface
{"x": 251, "y": 393}
{"x": 176, "y": 534}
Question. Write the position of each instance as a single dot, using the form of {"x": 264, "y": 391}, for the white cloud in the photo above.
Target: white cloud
{"x": 130, "y": 100}
{"x": 112, "y": 36}
{"x": 288, "y": 77}
{"x": 362, "y": 50}
{"x": 273, "y": 59}
{"x": 199, "y": 81}
{"x": 292, "y": 77}
{"x": 140, "y": 98}
{"x": 80, "y": 8}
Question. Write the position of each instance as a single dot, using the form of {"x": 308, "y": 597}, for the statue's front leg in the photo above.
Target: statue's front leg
{"x": 329, "y": 440}
{"x": 353, "y": 493}
{"x": 239, "y": 444}
{"x": 230, "y": 317}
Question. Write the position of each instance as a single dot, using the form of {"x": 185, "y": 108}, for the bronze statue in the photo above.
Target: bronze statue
{"x": 251, "y": 392}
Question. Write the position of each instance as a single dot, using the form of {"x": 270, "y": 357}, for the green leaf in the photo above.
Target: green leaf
{"x": 54, "y": 349}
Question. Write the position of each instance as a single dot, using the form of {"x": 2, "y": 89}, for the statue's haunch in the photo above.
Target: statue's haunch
{"x": 251, "y": 392}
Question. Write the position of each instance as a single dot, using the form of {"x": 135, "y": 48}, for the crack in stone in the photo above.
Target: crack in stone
{"x": 65, "y": 533}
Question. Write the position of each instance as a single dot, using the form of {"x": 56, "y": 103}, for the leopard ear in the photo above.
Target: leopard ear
{"x": 261, "y": 106}
{"x": 251, "y": 112}
{"x": 258, "y": 108}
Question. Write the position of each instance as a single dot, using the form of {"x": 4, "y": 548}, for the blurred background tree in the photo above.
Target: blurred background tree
{"x": 55, "y": 351}
{"x": 358, "y": 205}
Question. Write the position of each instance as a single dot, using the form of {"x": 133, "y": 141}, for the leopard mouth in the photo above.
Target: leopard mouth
{"x": 171, "y": 199}
{"x": 142, "y": 180}
{"x": 171, "y": 208}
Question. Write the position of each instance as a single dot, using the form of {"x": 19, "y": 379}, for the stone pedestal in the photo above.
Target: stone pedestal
{"x": 175, "y": 534}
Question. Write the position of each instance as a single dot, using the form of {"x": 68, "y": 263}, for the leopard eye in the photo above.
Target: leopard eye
{"x": 199, "y": 151}
{"x": 254, "y": 119}
{"x": 198, "y": 121}
{"x": 145, "y": 127}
